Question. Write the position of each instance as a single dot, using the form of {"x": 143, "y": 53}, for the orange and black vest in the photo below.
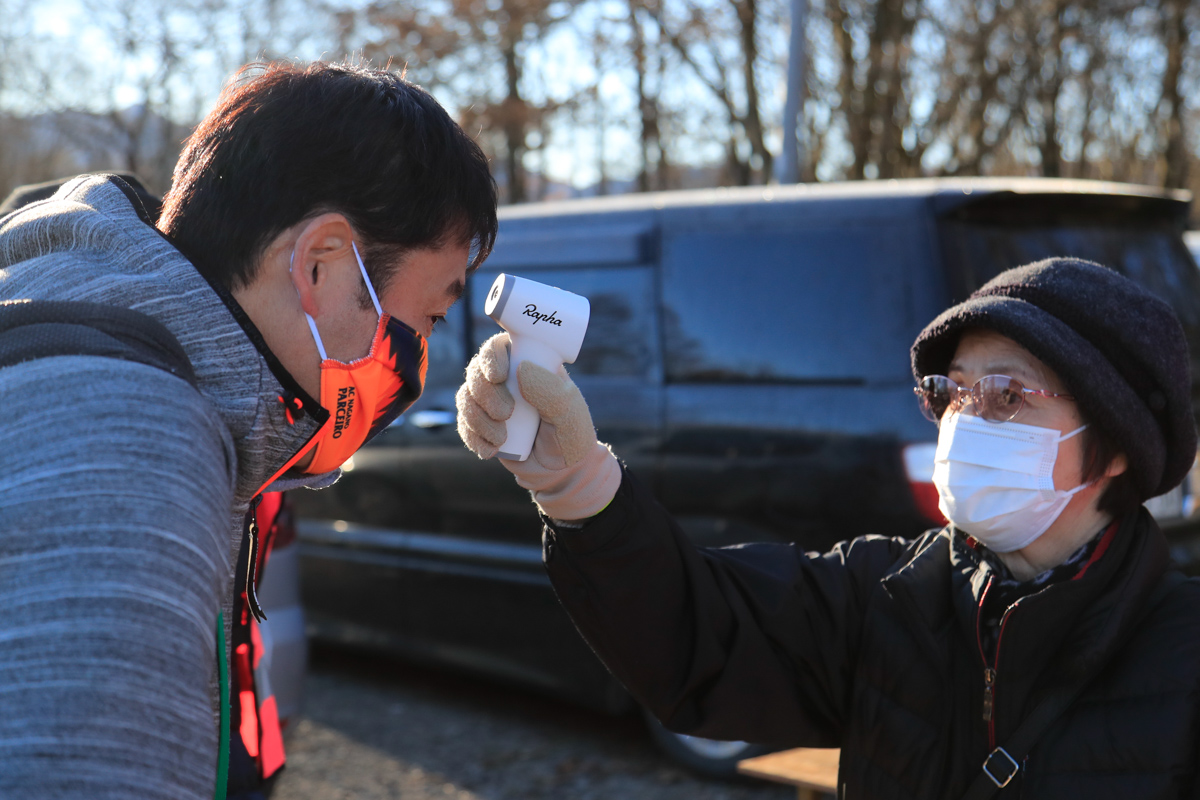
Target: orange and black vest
{"x": 255, "y": 738}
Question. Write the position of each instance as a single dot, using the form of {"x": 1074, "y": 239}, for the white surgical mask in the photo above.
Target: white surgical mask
{"x": 995, "y": 481}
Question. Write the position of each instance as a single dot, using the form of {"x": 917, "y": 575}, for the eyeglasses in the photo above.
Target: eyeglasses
{"x": 997, "y": 398}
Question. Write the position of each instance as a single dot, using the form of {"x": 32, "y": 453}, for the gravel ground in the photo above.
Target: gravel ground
{"x": 374, "y": 729}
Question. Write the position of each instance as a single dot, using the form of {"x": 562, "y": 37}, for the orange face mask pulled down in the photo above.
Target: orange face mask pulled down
{"x": 366, "y": 395}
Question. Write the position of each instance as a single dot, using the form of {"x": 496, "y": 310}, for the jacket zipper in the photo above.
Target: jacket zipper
{"x": 989, "y": 672}
{"x": 989, "y": 688}
{"x": 251, "y": 530}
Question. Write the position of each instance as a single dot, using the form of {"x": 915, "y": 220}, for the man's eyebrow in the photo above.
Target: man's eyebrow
{"x": 456, "y": 290}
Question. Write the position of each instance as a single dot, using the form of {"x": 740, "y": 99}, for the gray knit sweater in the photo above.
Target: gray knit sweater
{"x": 122, "y": 491}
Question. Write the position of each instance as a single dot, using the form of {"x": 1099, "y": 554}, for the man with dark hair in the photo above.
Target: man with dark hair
{"x": 156, "y": 381}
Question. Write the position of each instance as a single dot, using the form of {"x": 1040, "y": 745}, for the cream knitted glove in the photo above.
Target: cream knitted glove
{"x": 570, "y": 475}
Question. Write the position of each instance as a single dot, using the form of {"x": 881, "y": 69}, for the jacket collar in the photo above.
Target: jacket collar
{"x": 1111, "y": 596}
{"x": 1089, "y": 617}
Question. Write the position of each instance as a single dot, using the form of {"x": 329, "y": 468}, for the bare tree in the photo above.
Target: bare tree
{"x": 407, "y": 36}
{"x": 474, "y": 48}
{"x": 724, "y": 54}
{"x": 1174, "y": 33}
{"x": 1072, "y": 88}
{"x": 649, "y": 134}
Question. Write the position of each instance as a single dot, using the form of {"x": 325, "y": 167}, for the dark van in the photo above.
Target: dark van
{"x": 747, "y": 356}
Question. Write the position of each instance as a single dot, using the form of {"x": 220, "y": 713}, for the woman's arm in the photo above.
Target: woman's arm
{"x": 756, "y": 642}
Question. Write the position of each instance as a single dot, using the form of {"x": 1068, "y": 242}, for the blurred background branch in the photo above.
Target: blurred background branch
{"x": 573, "y": 97}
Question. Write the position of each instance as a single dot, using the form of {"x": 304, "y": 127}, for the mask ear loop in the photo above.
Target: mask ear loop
{"x": 312, "y": 323}
{"x": 1065, "y": 436}
{"x": 1082, "y": 486}
{"x": 367, "y": 280}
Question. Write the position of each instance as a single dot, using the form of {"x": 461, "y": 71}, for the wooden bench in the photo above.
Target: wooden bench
{"x": 812, "y": 771}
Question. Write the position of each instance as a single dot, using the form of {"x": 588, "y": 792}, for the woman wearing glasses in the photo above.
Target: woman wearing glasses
{"x": 1037, "y": 647}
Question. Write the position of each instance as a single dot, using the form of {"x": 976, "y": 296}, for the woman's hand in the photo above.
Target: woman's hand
{"x": 570, "y": 474}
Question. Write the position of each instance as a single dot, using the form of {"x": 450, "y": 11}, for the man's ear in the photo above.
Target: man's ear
{"x": 322, "y": 250}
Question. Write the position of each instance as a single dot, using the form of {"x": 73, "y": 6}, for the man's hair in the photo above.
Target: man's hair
{"x": 287, "y": 142}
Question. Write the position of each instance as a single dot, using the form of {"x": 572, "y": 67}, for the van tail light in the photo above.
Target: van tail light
{"x": 918, "y": 464}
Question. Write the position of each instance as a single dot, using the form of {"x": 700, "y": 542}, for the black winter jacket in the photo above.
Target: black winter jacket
{"x": 874, "y": 647}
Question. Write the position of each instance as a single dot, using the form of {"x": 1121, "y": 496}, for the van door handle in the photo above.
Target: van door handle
{"x": 433, "y": 418}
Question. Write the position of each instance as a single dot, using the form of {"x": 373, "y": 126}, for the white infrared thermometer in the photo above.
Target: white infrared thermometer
{"x": 546, "y": 326}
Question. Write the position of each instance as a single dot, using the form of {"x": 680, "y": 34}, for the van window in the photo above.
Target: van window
{"x": 621, "y": 333}
{"x": 792, "y": 306}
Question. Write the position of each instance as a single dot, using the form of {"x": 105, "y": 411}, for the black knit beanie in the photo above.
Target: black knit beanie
{"x": 1119, "y": 349}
